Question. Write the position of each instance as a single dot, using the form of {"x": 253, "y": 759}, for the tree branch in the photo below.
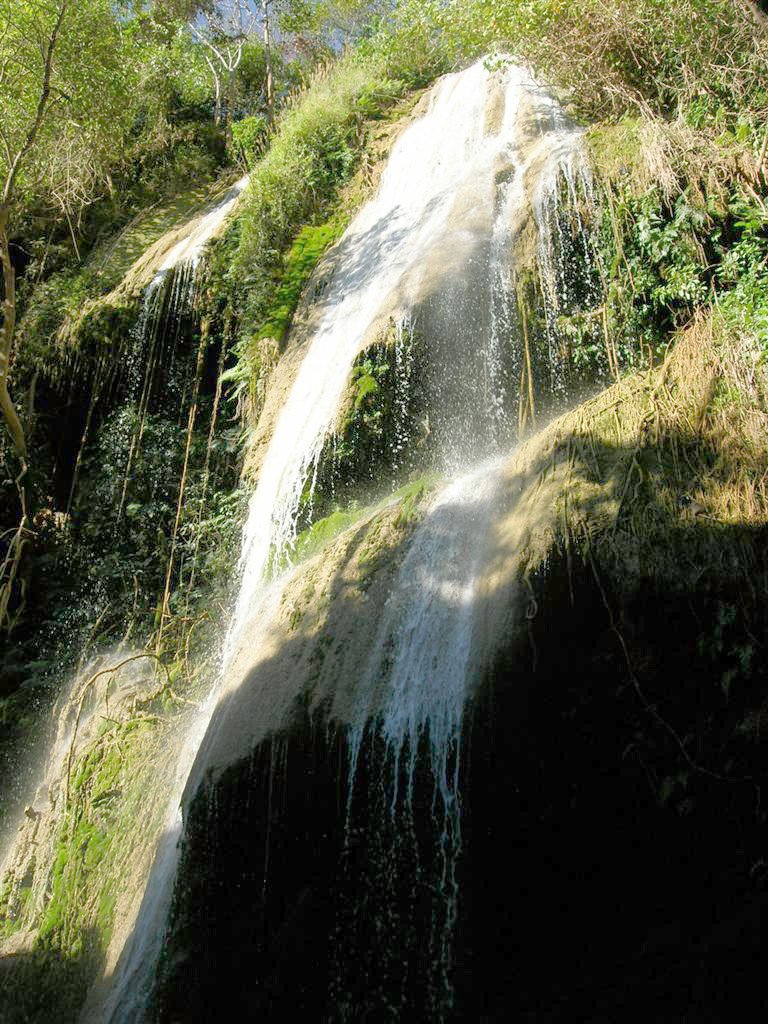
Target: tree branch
{"x": 48, "y": 50}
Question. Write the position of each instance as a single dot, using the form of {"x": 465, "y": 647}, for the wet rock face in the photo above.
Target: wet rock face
{"x": 589, "y": 886}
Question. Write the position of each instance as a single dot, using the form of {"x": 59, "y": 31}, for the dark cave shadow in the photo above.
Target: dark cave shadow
{"x": 48, "y": 983}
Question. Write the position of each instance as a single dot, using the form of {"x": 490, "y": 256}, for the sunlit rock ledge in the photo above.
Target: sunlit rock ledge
{"x": 601, "y": 487}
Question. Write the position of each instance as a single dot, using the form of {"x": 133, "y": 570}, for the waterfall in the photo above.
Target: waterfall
{"x": 170, "y": 293}
{"x": 414, "y": 689}
{"x": 167, "y": 299}
{"x": 424, "y": 646}
{"x": 191, "y": 245}
{"x": 152, "y": 364}
{"x": 154, "y": 371}
{"x": 380, "y": 260}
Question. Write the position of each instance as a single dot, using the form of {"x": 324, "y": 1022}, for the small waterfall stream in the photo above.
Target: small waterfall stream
{"x": 156, "y": 369}
{"x": 167, "y": 299}
{"x": 423, "y": 653}
{"x": 414, "y": 689}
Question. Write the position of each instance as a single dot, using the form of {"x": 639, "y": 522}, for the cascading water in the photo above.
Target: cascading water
{"x": 169, "y": 295}
{"x": 414, "y": 689}
{"x": 429, "y": 220}
{"x": 153, "y": 368}
{"x": 154, "y": 373}
{"x": 167, "y": 300}
{"x": 424, "y": 647}
{"x": 191, "y": 246}
{"x": 573, "y": 174}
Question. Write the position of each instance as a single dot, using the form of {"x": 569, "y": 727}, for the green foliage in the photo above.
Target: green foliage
{"x": 110, "y": 804}
{"x": 299, "y": 262}
{"x": 742, "y": 273}
{"x": 59, "y": 140}
{"x": 382, "y": 412}
{"x": 248, "y": 137}
{"x": 667, "y": 266}
{"x": 641, "y": 55}
{"x": 411, "y": 497}
{"x": 383, "y": 437}
{"x": 662, "y": 259}
{"x": 323, "y": 531}
{"x": 416, "y": 42}
{"x": 366, "y": 377}
{"x": 658, "y": 277}
{"x": 730, "y": 646}
{"x": 210, "y": 537}
{"x": 289, "y": 281}
{"x": 313, "y": 152}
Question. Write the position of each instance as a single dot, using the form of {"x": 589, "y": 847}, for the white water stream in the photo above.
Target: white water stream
{"x": 414, "y": 690}
{"x": 442, "y": 164}
{"x": 424, "y": 647}
{"x": 191, "y": 246}
{"x": 168, "y": 296}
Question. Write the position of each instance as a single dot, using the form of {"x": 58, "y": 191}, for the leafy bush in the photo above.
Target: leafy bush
{"x": 248, "y": 137}
{"x": 659, "y": 56}
{"x": 313, "y": 151}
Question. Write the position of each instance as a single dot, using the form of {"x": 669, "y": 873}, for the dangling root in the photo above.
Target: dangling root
{"x": 111, "y": 672}
{"x": 9, "y": 570}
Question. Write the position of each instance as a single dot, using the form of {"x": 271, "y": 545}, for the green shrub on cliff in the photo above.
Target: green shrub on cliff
{"x": 314, "y": 151}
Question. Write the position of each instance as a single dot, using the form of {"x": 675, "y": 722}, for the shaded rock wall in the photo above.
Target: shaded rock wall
{"x": 611, "y": 863}
{"x": 586, "y": 891}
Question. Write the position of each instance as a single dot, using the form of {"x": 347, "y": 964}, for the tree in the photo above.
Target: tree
{"x": 226, "y": 27}
{"x": 63, "y": 91}
{"x": 224, "y": 30}
{"x": 347, "y": 20}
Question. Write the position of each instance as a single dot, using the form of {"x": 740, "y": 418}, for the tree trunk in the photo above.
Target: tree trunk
{"x": 230, "y": 108}
{"x": 216, "y": 90}
{"x": 268, "y": 60}
{"x": 217, "y": 104}
{"x": 7, "y": 408}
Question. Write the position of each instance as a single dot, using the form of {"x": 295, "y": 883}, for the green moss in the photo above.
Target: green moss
{"x": 299, "y": 262}
{"x": 300, "y": 198}
{"x": 321, "y": 533}
{"x": 411, "y": 497}
{"x": 324, "y": 531}
{"x": 110, "y": 794}
{"x": 111, "y": 260}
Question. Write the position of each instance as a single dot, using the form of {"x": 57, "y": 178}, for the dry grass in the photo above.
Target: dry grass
{"x": 663, "y": 474}
{"x": 646, "y": 153}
